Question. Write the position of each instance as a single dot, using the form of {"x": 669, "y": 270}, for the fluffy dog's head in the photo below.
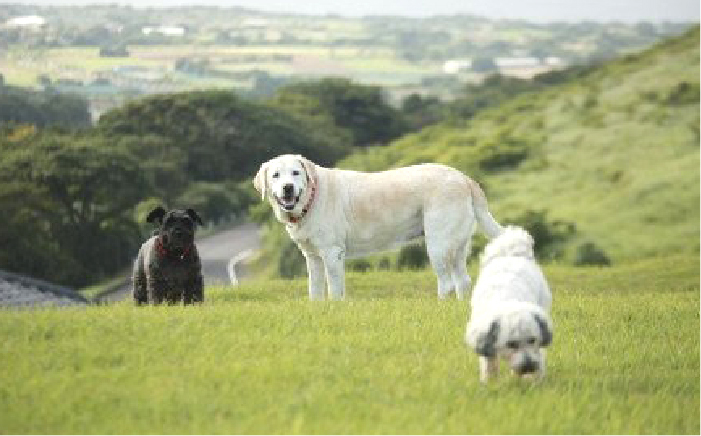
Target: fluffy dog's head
{"x": 285, "y": 180}
{"x": 512, "y": 242}
{"x": 515, "y": 331}
{"x": 176, "y": 227}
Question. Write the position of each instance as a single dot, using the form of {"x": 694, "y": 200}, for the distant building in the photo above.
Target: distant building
{"x": 517, "y": 62}
{"x": 30, "y": 21}
{"x": 257, "y": 23}
{"x": 454, "y": 66}
{"x": 554, "y": 61}
{"x": 164, "y": 30}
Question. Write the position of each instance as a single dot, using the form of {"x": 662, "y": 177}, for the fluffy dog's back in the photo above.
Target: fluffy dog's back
{"x": 509, "y": 272}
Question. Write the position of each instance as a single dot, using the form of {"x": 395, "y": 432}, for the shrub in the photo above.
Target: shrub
{"x": 590, "y": 254}
{"x": 412, "y": 257}
{"x": 549, "y": 236}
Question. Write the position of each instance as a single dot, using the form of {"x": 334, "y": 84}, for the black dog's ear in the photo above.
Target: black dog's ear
{"x": 546, "y": 334}
{"x": 156, "y": 215}
{"x": 486, "y": 341}
{"x": 193, "y": 215}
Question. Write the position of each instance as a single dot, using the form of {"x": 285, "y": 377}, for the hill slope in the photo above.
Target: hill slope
{"x": 616, "y": 152}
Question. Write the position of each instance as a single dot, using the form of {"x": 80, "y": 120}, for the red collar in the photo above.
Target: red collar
{"x": 306, "y": 208}
{"x": 163, "y": 252}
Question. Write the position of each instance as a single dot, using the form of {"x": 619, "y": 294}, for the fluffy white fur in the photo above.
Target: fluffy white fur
{"x": 355, "y": 213}
{"x": 510, "y": 308}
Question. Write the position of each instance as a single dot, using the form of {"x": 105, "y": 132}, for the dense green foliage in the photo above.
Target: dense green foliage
{"x": 221, "y": 135}
{"x": 42, "y": 108}
{"x": 262, "y": 359}
{"x": 604, "y": 160}
{"x": 67, "y": 202}
{"x": 360, "y": 111}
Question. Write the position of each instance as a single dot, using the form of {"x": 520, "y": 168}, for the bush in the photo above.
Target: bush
{"x": 549, "y": 236}
{"x": 589, "y": 254}
{"x": 412, "y": 257}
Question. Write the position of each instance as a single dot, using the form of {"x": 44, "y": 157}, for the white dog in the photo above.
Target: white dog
{"x": 335, "y": 214}
{"x": 510, "y": 306}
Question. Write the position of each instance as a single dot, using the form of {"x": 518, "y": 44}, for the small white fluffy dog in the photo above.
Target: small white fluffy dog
{"x": 334, "y": 214}
{"x": 510, "y": 308}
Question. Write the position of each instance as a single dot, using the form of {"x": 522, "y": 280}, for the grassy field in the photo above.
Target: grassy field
{"x": 262, "y": 359}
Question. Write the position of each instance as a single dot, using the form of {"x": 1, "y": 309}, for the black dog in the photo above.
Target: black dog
{"x": 168, "y": 267}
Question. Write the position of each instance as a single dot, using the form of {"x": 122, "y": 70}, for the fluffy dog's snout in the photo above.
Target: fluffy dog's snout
{"x": 288, "y": 190}
{"x": 526, "y": 366}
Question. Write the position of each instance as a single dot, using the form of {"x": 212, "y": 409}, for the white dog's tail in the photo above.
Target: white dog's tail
{"x": 479, "y": 202}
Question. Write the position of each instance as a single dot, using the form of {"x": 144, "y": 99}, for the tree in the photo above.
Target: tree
{"x": 42, "y": 108}
{"x": 360, "y": 109}
{"x": 221, "y": 136}
{"x": 78, "y": 193}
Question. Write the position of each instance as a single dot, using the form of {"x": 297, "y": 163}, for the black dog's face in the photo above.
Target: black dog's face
{"x": 177, "y": 227}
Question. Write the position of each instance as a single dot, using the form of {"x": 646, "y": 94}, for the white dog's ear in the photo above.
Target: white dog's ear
{"x": 483, "y": 338}
{"x": 309, "y": 168}
{"x": 546, "y": 330}
{"x": 260, "y": 181}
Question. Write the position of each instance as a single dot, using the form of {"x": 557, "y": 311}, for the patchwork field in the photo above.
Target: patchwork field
{"x": 260, "y": 358}
{"x": 375, "y": 65}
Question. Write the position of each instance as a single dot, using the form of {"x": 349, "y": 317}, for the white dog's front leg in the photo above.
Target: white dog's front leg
{"x": 315, "y": 274}
{"x": 334, "y": 260}
{"x": 489, "y": 367}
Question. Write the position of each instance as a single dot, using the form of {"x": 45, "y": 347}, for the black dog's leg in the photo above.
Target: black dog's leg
{"x": 194, "y": 292}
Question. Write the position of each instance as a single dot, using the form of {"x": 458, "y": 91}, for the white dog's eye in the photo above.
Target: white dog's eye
{"x": 295, "y": 173}
{"x": 276, "y": 175}
{"x": 512, "y": 344}
{"x": 531, "y": 341}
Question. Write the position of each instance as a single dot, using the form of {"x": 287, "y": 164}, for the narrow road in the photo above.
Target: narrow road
{"x": 215, "y": 252}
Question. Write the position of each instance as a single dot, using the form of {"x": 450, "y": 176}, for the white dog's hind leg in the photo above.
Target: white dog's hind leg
{"x": 489, "y": 368}
{"x": 315, "y": 274}
{"x": 335, "y": 274}
{"x": 460, "y": 277}
{"x": 445, "y": 280}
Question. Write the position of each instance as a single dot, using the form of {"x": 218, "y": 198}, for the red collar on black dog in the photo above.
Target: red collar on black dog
{"x": 163, "y": 252}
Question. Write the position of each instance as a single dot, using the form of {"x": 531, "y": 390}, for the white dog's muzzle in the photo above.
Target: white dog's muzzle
{"x": 288, "y": 202}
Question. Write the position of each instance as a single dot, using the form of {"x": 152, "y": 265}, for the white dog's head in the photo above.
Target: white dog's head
{"x": 514, "y": 331}
{"x": 512, "y": 242}
{"x": 285, "y": 180}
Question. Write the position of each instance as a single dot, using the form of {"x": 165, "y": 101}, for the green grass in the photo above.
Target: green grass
{"x": 262, "y": 359}
{"x": 613, "y": 152}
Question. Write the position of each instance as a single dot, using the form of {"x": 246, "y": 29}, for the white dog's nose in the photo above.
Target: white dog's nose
{"x": 527, "y": 366}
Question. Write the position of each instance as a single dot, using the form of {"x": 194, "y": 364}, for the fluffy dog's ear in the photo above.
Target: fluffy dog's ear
{"x": 156, "y": 215}
{"x": 193, "y": 216}
{"x": 484, "y": 340}
{"x": 260, "y": 181}
{"x": 309, "y": 168}
{"x": 546, "y": 333}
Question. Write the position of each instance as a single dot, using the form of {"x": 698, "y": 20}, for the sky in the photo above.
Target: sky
{"x": 531, "y": 10}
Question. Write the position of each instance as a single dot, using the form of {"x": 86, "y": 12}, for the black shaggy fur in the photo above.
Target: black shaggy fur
{"x": 168, "y": 266}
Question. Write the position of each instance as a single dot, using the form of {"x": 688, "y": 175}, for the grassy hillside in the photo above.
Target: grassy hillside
{"x": 391, "y": 359}
{"x": 616, "y": 152}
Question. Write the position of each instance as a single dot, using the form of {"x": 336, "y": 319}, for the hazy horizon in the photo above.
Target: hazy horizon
{"x": 531, "y": 10}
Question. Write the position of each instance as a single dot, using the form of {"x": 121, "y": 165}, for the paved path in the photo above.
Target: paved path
{"x": 20, "y": 291}
{"x": 215, "y": 252}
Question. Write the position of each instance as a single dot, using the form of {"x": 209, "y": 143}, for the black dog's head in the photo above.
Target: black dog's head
{"x": 177, "y": 227}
